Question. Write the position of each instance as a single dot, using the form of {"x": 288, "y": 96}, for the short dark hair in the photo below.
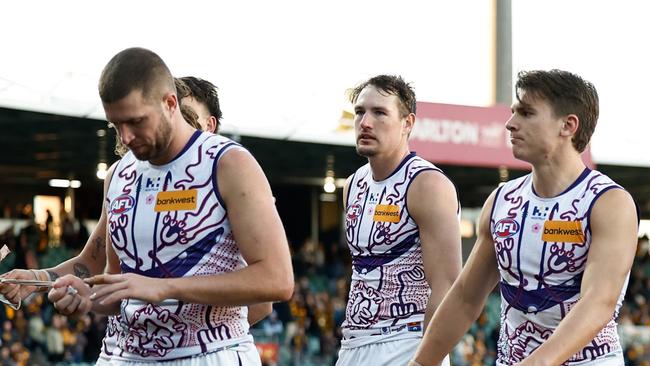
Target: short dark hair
{"x": 135, "y": 69}
{"x": 567, "y": 93}
{"x": 390, "y": 84}
{"x": 204, "y": 92}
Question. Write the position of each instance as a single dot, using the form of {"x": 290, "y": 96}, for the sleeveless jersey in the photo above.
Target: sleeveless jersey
{"x": 110, "y": 337}
{"x": 541, "y": 246}
{"x": 165, "y": 222}
{"x": 389, "y": 292}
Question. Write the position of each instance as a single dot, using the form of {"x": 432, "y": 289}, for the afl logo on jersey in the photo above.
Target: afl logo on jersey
{"x": 354, "y": 211}
{"x": 122, "y": 204}
{"x": 506, "y": 228}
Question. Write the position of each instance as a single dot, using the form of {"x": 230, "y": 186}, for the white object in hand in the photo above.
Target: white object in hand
{"x": 4, "y": 251}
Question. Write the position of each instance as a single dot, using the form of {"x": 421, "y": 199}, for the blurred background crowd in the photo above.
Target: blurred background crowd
{"x": 303, "y": 331}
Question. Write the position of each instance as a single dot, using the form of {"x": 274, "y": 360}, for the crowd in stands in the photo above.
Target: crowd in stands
{"x": 35, "y": 334}
{"x": 303, "y": 331}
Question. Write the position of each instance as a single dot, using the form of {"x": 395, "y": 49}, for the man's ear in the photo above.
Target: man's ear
{"x": 212, "y": 124}
{"x": 570, "y": 125}
{"x": 409, "y": 124}
{"x": 170, "y": 101}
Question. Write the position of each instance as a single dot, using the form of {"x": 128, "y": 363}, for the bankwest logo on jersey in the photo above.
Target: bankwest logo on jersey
{"x": 563, "y": 232}
{"x": 386, "y": 213}
{"x": 176, "y": 200}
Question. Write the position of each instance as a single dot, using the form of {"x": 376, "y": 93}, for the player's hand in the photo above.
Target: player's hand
{"x": 71, "y": 296}
{"x": 127, "y": 286}
{"x": 15, "y": 293}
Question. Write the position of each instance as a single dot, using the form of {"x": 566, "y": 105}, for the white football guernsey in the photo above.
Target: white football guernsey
{"x": 541, "y": 246}
{"x": 169, "y": 221}
{"x": 389, "y": 291}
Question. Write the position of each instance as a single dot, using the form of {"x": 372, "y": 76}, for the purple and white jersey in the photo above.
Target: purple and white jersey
{"x": 110, "y": 337}
{"x": 169, "y": 221}
{"x": 541, "y": 247}
{"x": 389, "y": 291}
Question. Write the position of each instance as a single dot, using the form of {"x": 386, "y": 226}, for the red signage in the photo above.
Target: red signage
{"x": 269, "y": 352}
{"x": 464, "y": 135}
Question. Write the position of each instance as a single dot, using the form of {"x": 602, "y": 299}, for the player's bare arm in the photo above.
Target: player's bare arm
{"x": 433, "y": 203}
{"x": 466, "y": 298}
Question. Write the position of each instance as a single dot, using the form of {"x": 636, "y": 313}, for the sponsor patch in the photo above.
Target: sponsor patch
{"x": 354, "y": 211}
{"x": 539, "y": 213}
{"x": 152, "y": 184}
{"x": 563, "y": 232}
{"x": 122, "y": 204}
{"x": 414, "y": 327}
{"x": 506, "y": 228}
{"x": 176, "y": 200}
{"x": 386, "y": 213}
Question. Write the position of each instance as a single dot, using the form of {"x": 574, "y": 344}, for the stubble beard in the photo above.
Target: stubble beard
{"x": 161, "y": 141}
{"x": 365, "y": 151}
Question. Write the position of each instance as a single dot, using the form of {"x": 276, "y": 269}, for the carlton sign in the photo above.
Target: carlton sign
{"x": 464, "y": 135}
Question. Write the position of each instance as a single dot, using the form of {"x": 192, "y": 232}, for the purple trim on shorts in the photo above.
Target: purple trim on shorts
{"x": 224, "y": 348}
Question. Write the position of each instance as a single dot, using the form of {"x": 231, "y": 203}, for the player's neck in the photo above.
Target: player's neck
{"x": 384, "y": 165}
{"x": 553, "y": 177}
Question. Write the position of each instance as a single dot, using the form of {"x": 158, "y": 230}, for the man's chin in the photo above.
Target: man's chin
{"x": 519, "y": 156}
{"x": 365, "y": 152}
{"x": 142, "y": 155}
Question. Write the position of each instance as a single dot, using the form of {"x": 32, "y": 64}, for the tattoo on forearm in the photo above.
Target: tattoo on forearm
{"x": 81, "y": 270}
{"x": 98, "y": 247}
{"x": 53, "y": 275}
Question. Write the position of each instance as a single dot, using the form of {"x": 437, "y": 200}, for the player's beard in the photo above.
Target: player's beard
{"x": 366, "y": 151}
{"x": 162, "y": 139}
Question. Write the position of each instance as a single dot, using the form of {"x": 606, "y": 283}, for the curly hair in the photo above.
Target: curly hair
{"x": 204, "y": 92}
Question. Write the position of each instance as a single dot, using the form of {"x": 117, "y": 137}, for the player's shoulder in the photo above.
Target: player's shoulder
{"x": 614, "y": 199}
{"x": 431, "y": 180}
